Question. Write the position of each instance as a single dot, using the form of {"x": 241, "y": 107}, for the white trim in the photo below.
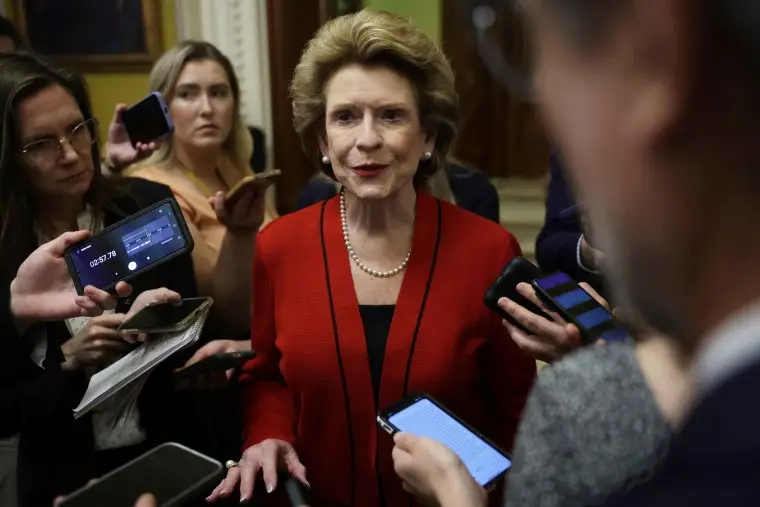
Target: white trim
{"x": 239, "y": 29}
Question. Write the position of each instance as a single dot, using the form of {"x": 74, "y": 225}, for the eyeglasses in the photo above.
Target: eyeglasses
{"x": 46, "y": 152}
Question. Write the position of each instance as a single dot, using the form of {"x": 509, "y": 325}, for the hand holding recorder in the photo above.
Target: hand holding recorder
{"x": 44, "y": 291}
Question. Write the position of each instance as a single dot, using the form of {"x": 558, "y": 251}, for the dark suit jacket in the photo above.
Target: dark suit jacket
{"x": 715, "y": 460}
{"x": 557, "y": 243}
{"x": 471, "y": 188}
{"x": 56, "y": 453}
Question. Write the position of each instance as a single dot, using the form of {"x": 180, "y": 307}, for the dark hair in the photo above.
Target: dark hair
{"x": 8, "y": 30}
{"x": 21, "y": 76}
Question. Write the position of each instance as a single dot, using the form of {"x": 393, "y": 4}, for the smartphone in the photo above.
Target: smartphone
{"x": 563, "y": 295}
{"x": 516, "y": 271}
{"x": 130, "y": 247}
{"x": 148, "y": 120}
{"x": 422, "y": 415}
{"x": 257, "y": 179}
{"x": 173, "y": 473}
{"x": 216, "y": 362}
{"x": 166, "y": 317}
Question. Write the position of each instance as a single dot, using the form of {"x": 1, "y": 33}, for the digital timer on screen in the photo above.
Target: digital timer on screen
{"x": 142, "y": 241}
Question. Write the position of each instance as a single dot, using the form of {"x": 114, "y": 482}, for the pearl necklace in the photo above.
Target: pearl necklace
{"x": 355, "y": 258}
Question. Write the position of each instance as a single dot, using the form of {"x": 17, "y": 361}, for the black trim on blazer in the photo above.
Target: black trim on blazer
{"x": 422, "y": 310}
{"x": 346, "y": 399}
{"x": 424, "y": 300}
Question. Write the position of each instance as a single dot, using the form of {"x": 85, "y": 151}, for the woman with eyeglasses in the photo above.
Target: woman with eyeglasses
{"x": 50, "y": 183}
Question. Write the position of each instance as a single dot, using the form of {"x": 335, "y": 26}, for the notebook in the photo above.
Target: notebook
{"x": 137, "y": 364}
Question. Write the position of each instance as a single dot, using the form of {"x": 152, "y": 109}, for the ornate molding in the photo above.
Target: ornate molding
{"x": 239, "y": 29}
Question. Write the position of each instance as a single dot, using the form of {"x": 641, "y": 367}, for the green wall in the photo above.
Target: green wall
{"x": 425, "y": 13}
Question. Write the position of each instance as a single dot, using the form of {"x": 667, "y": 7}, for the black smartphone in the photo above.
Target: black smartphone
{"x": 216, "y": 362}
{"x": 148, "y": 120}
{"x": 518, "y": 270}
{"x": 130, "y": 247}
{"x": 422, "y": 415}
{"x": 173, "y": 473}
{"x": 563, "y": 295}
{"x": 166, "y": 317}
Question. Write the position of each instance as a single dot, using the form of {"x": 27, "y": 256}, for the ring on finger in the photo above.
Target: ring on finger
{"x": 231, "y": 464}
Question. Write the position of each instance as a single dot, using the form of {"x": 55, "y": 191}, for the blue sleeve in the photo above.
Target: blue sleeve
{"x": 557, "y": 243}
{"x": 316, "y": 190}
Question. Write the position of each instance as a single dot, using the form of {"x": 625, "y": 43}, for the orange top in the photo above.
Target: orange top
{"x": 208, "y": 233}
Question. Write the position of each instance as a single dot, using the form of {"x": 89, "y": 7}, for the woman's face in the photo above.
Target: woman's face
{"x": 56, "y": 169}
{"x": 373, "y": 135}
{"x": 202, "y": 106}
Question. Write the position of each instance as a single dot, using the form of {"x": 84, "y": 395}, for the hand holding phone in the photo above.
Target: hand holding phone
{"x": 211, "y": 371}
{"x": 166, "y": 317}
{"x": 148, "y": 120}
{"x": 518, "y": 270}
{"x": 575, "y": 305}
{"x": 423, "y": 416}
{"x": 251, "y": 183}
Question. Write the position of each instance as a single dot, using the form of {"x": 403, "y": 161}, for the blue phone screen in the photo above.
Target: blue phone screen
{"x": 593, "y": 319}
{"x": 426, "y": 419}
{"x": 106, "y": 258}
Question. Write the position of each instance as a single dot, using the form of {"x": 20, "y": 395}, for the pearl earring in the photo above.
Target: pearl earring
{"x": 427, "y": 156}
{"x": 325, "y": 160}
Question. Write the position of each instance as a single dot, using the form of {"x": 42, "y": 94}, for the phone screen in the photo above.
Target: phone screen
{"x": 148, "y": 120}
{"x": 163, "y": 315}
{"x": 170, "y": 472}
{"x": 138, "y": 243}
{"x": 426, "y": 419}
{"x": 585, "y": 311}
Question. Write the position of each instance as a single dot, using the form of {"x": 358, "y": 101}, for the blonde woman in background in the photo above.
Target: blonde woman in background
{"x": 207, "y": 155}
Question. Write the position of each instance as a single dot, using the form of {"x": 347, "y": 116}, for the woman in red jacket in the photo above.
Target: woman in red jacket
{"x": 378, "y": 292}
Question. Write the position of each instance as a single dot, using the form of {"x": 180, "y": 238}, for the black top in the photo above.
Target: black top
{"x": 377, "y": 325}
{"x": 57, "y": 453}
{"x": 471, "y": 188}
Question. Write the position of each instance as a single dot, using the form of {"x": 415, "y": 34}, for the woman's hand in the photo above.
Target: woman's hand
{"x": 433, "y": 474}
{"x": 43, "y": 289}
{"x": 267, "y": 457}
{"x": 95, "y": 344}
{"x": 120, "y": 153}
{"x": 244, "y": 214}
{"x": 550, "y": 339}
{"x": 215, "y": 379}
{"x": 149, "y": 297}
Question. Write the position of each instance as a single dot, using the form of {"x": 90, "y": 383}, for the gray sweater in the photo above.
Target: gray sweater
{"x": 591, "y": 427}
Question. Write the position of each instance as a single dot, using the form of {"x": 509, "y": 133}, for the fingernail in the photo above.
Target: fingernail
{"x": 243, "y": 499}
{"x": 270, "y": 488}
{"x": 307, "y": 484}
{"x": 222, "y": 493}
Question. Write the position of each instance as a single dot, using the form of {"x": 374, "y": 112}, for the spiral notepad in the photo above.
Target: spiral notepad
{"x": 139, "y": 362}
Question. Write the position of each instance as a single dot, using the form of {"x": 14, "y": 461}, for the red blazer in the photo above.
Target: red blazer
{"x": 311, "y": 379}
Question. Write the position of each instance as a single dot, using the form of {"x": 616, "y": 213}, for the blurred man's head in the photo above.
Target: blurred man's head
{"x": 656, "y": 107}
{"x": 10, "y": 40}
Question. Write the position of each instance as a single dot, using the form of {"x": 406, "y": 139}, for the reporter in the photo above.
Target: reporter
{"x": 50, "y": 183}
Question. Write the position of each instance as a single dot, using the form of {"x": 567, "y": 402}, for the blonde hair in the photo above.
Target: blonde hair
{"x": 377, "y": 38}
{"x": 163, "y": 79}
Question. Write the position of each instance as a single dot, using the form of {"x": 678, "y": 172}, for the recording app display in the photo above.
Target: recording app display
{"x": 107, "y": 258}
{"x": 426, "y": 419}
{"x": 593, "y": 319}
